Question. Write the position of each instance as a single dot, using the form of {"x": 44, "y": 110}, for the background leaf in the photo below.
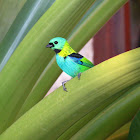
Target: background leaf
{"x": 88, "y": 117}
{"x": 8, "y": 12}
{"x": 108, "y": 121}
{"x": 86, "y": 28}
{"x": 120, "y": 134}
{"x": 31, "y": 57}
{"x": 27, "y": 17}
{"x": 134, "y": 133}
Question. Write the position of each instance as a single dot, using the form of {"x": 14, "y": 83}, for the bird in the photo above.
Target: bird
{"x": 68, "y": 59}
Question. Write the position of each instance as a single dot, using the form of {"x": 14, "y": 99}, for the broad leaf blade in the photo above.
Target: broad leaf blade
{"x": 27, "y": 17}
{"x": 83, "y": 121}
{"x": 58, "y": 111}
{"x": 96, "y": 19}
{"x": 31, "y": 57}
{"x": 8, "y": 12}
{"x": 86, "y": 28}
{"x": 112, "y": 118}
{"x": 51, "y": 73}
{"x": 134, "y": 133}
{"x": 120, "y": 134}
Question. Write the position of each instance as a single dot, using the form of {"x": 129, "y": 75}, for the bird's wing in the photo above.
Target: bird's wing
{"x": 79, "y": 59}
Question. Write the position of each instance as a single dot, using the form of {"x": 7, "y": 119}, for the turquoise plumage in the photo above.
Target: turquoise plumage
{"x": 67, "y": 59}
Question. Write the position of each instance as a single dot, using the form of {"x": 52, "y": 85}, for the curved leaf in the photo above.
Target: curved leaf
{"x": 88, "y": 117}
{"x": 31, "y": 57}
{"x": 7, "y": 16}
{"x": 86, "y": 28}
{"x": 120, "y": 134}
{"x": 134, "y": 133}
{"x": 108, "y": 121}
{"x": 102, "y": 11}
{"x": 60, "y": 110}
{"x": 27, "y": 17}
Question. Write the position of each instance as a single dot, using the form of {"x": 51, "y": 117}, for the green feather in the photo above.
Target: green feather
{"x": 86, "y": 62}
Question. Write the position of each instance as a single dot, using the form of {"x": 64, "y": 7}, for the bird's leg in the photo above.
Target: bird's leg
{"x": 63, "y": 84}
{"x": 79, "y": 75}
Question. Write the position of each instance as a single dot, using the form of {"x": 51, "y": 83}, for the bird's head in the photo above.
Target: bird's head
{"x": 57, "y": 44}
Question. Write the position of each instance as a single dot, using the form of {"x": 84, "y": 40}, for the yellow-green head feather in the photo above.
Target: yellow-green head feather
{"x": 67, "y": 50}
{"x": 60, "y": 46}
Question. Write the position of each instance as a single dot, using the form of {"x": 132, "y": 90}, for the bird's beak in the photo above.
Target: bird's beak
{"x": 50, "y": 45}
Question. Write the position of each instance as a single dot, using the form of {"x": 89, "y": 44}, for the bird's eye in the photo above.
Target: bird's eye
{"x": 55, "y": 42}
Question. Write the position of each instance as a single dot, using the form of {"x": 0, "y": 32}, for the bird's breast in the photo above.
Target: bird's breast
{"x": 60, "y": 61}
{"x": 67, "y": 65}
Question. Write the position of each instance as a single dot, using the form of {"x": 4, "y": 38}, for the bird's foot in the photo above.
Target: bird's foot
{"x": 63, "y": 84}
{"x": 79, "y": 75}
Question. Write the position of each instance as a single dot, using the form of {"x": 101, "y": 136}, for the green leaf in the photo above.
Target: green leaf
{"x": 27, "y": 17}
{"x": 86, "y": 28}
{"x": 57, "y": 112}
{"x": 31, "y": 57}
{"x": 8, "y": 12}
{"x": 98, "y": 15}
{"x": 112, "y": 118}
{"x": 83, "y": 121}
{"x": 51, "y": 73}
{"x": 121, "y": 134}
{"x": 134, "y": 133}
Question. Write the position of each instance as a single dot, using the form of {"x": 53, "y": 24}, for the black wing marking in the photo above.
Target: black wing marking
{"x": 79, "y": 59}
{"x": 77, "y": 55}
